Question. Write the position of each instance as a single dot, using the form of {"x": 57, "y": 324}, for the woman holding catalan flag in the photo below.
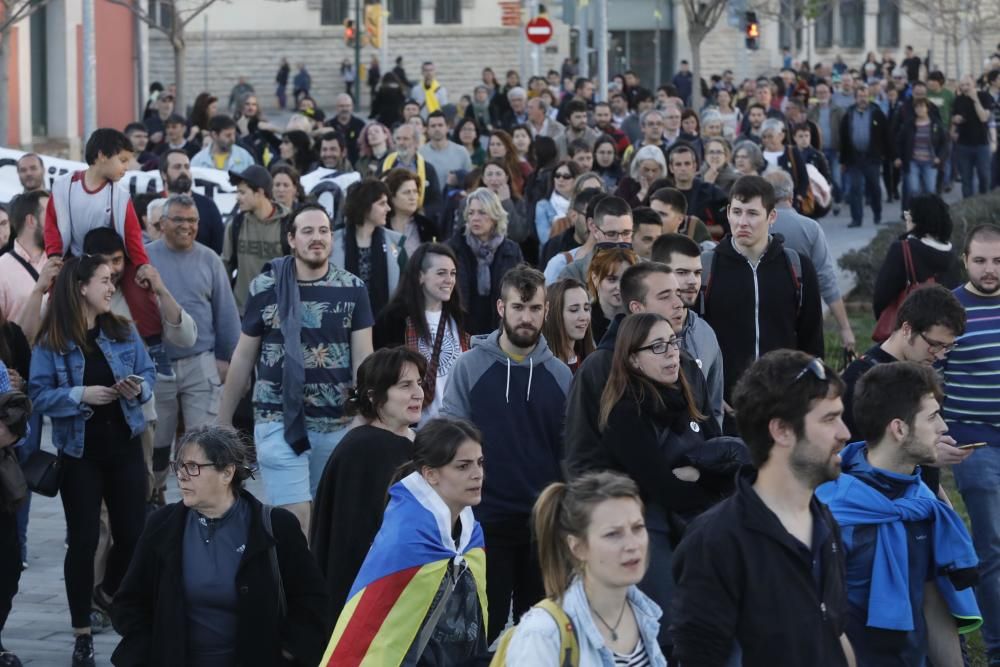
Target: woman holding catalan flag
{"x": 420, "y": 597}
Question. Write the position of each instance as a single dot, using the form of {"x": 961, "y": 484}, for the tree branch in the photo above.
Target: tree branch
{"x": 14, "y": 11}
{"x": 140, "y": 14}
{"x": 194, "y": 12}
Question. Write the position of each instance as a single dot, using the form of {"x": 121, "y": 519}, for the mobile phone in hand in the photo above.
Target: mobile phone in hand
{"x": 972, "y": 445}
{"x": 138, "y": 379}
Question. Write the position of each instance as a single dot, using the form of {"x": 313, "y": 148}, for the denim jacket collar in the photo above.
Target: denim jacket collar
{"x": 647, "y": 615}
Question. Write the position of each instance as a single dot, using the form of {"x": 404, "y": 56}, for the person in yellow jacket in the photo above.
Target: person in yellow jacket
{"x": 429, "y": 93}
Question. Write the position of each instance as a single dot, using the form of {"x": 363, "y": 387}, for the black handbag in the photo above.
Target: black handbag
{"x": 13, "y": 488}
{"x": 43, "y": 472}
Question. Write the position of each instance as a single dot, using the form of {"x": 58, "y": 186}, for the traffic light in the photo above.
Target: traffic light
{"x": 373, "y": 24}
{"x": 349, "y": 32}
{"x": 752, "y": 31}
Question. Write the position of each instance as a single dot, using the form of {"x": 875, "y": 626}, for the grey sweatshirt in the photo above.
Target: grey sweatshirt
{"x": 700, "y": 342}
{"x": 805, "y": 236}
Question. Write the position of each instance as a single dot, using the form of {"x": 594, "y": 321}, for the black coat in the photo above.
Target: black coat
{"x": 742, "y": 577}
{"x": 928, "y": 262}
{"x": 149, "y": 610}
{"x": 350, "y": 502}
{"x": 878, "y": 143}
{"x": 507, "y": 256}
{"x": 387, "y": 107}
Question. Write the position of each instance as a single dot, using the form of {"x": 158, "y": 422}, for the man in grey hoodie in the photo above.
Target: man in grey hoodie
{"x": 511, "y": 386}
{"x": 683, "y": 255}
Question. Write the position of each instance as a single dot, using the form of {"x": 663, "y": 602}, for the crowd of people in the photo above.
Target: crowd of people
{"x": 548, "y": 362}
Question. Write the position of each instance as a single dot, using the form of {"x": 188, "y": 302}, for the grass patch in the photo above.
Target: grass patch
{"x": 863, "y": 323}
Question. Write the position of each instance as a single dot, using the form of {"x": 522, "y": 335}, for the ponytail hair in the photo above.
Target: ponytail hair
{"x": 564, "y": 509}
{"x": 437, "y": 443}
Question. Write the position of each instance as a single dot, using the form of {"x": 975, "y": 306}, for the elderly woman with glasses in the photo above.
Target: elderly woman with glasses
{"x": 218, "y": 578}
{"x": 747, "y": 158}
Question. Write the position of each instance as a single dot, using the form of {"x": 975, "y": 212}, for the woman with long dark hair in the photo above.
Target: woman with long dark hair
{"x": 404, "y": 209}
{"x": 364, "y": 246}
{"x": 607, "y": 163}
{"x": 351, "y": 495}
{"x": 466, "y": 135}
{"x": 501, "y": 147}
{"x": 425, "y": 314}
{"x": 428, "y": 525}
{"x": 567, "y": 327}
{"x": 90, "y": 373}
{"x": 297, "y": 150}
{"x": 556, "y": 201}
{"x": 286, "y": 186}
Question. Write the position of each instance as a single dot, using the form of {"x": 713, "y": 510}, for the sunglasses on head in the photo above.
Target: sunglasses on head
{"x": 816, "y": 367}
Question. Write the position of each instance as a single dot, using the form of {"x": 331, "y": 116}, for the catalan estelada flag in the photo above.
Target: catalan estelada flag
{"x": 401, "y": 575}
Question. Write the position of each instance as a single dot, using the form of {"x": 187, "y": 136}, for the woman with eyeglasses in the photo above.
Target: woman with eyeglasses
{"x": 606, "y": 162}
{"x": 567, "y": 326}
{"x": 604, "y": 284}
{"x": 420, "y": 596}
{"x": 748, "y": 160}
{"x": 656, "y": 430}
{"x": 716, "y": 168}
{"x": 556, "y": 203}
{"x": 218, "y": 578}
{"x": 90, "y": 373}
{"x": 484, "y": 255}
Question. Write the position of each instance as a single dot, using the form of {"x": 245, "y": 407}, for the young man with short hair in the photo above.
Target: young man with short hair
{"x": 612, "y": 223}
{"x": 890, "y": 519}
{"x": 31, "y": 172}
{"x": 971, "y": 410}
{"x": 705, "y": 200}
{"x": 564, "y": 248}
{"x": 444, "y": 155}
{"x": 327, "y": 329}
{"x": 176, "y": 137}
{"x": 698, "y": 339}
{"x": 647, "y": 228}
{"x": 582, "y": 153}
{"x": 514, "y": 390}
{"x": 772, "y": 545}
{"x": 223, "y": 153}
{"x": 256, "y": 234}
{"x": 671, "y": 205}
{"x": 576, "y": 128}
{"x": 759, "y": 296}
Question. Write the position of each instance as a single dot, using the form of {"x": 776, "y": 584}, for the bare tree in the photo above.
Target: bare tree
{"x": 172, "y": 22}
{"x": 794, "y": 16}
{"x": 962, "y": 25}
{"x": 702, "y": 16}
{"x": 11, "y": 12}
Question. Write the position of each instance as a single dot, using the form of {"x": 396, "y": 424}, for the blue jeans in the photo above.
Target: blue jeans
{"x": 863, "y": 180}
{"x": 921, "y": 178}
{"x": 833, "y": 159}
{"x": 31, "y": 445}
{"x": 978, "y": 480}
{"x": 974, "y": 159}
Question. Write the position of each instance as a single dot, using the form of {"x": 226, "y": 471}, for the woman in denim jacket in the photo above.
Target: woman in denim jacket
{"x": 593, "y": 550}
{"x": 84, "y": 375}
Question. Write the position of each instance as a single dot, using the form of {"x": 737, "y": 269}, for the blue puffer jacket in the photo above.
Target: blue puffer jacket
{"x": 56, "y": 387}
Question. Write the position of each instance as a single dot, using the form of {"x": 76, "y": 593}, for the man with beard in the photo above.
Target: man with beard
{"x": 407, "y": 157}
{"x": 307, "y": 328}
{"x": 223, "y": 152}
{"x": 175, "y": 169}
{"x": 973, "y": 415}
{"x": 514, "y": 390}
{"x": 762, "y": 573}
{"x": 23, "y": 265}
{"x": 705, "y": 200}
{"x": 910, "y": 561}
{"x": 31, "y": 172}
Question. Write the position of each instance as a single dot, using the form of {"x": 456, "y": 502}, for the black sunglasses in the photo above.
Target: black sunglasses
{"x": 816, "y": 367}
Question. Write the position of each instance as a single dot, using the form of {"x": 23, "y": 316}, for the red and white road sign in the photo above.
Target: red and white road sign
{"x": 539, "y": 30}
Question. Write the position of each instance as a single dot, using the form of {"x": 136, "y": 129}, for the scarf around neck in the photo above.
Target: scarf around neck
{"x": 484, "y": 253}
{"x": 293, "y": 372}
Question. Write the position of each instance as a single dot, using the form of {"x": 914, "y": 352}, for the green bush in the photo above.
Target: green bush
{"x": 865, "y": 262}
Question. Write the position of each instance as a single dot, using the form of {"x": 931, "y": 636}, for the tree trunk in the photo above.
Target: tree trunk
{"x": 180, "y": 53}
{"x": 4, "y": 86}
{"x": 695, "y": 39}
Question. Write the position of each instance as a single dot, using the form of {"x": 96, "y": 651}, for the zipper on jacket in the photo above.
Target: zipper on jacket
{"x": 756, "y": 309}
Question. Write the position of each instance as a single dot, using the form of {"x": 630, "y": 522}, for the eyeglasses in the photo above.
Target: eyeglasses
{"x": 661, "y": 346}
{"x": 176, "y": 219}
{"x": 624, "y": 234}
{"x": 816, "y": 367}
{"x": 189, "y": 468}
{"x": 715, "y": 152}
{"x": 937, "y": 346}
{"x": 563, "y": 176}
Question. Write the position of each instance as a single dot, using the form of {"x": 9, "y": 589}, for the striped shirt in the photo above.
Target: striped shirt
{"x": 637, "y": 658}
{"x": 972, "y": 373}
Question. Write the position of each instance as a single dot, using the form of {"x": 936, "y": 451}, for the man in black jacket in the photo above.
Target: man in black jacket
{"x": 760, "y": 576}
{"x": 705, "y": 200}
{"x": 864, "y": 143}
{"x": 758, "y": 295}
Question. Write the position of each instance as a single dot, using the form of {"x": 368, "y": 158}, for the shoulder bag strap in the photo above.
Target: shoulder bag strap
{"x": 272, "y": 555}
{"x": 911, "y": 273}
{"x": 430, "y": 376}
{"x": 23, "y": 262}
{"x": 569, "y": 644}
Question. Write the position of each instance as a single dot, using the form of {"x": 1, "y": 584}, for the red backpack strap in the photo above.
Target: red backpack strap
{"x": 911, "y": 272}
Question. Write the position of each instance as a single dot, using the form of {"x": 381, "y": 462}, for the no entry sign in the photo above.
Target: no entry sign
{"x": 539, "y": 30}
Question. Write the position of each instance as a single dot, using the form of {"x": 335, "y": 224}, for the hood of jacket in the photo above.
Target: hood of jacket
{"x": 279, "y": 212}
{"x": 490, "y": 344}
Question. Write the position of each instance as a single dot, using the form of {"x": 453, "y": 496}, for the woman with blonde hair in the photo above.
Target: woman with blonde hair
{"x": 593, "y": 549}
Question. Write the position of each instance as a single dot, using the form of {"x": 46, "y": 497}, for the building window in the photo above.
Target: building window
{"x": 448, "y": 11}
{"x": 824, "y": 28}
{"x": 404, "y": 11}
{"x": 161, "y": 13}
{"x": 333, "y": 12}
{"x": 852, "y": 23}
{"x": 789, "y": 25}
{"x": 888, "y": 23}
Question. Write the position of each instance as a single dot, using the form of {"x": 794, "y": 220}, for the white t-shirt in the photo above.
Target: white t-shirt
{"x": 451, "y": 348}
{"x": 772, "y": 157}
